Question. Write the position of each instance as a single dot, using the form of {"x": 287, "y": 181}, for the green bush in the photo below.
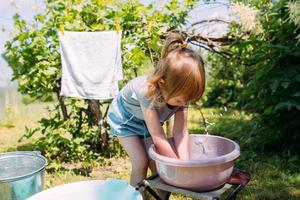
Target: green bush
{"x": 262, "y": 77}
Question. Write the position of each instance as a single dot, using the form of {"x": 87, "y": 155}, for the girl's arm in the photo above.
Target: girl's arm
{"x": 157, "y": 133}
{"x": 181, "y": 135}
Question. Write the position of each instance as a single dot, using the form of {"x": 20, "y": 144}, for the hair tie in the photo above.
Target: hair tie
{"x": 183, "y": 45}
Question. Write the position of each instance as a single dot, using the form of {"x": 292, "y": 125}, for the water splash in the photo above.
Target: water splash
{"x": 206, "y": 123}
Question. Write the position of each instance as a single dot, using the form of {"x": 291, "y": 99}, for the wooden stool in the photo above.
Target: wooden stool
{"x": 237, "y": 181}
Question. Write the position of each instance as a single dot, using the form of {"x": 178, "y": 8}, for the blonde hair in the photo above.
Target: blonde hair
{"x": 182, "y": 71}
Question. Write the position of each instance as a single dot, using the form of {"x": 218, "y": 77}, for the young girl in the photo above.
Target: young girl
{"x": 146, "y": 102}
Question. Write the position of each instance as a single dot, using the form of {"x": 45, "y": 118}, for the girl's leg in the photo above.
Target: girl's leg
{"x": 148, "y": 142}
{"x": 138, "y": 157}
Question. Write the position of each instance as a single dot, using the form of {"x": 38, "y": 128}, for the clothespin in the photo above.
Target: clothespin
{"x": 62, "y": 29}
{"x": 183, "y": 45}
{"x": 117, "y": 26}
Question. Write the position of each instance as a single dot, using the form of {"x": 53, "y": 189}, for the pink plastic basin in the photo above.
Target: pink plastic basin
{"x": 209, "y": 167}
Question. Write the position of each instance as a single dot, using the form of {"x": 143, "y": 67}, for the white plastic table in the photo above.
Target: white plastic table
{"x": 90, "y": 190}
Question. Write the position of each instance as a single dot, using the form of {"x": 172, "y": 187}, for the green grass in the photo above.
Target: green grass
{"x": 273, "y": 176}
{"x": 12, "y": 126}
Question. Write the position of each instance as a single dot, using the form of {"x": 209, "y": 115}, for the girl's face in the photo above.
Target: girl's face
{"x": 176, "y": 101}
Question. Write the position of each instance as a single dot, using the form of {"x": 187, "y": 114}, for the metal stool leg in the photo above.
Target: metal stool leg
{"x": 153, "y": 193}
{"x": 233, "y": 194}
{"x": 239, "y": 179}
{"x": 167, "y": 195}
{"x": 141, "y": 185}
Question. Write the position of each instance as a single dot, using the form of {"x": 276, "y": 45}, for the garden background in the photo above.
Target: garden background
{"x": 252, "y": 95}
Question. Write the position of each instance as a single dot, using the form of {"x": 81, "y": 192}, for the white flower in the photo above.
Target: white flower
{"x": 247, "y": 16}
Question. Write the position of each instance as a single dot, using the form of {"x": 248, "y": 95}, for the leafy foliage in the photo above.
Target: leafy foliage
{"x": 262, "y": 77}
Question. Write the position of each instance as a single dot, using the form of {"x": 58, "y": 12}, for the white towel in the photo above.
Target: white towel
{"x": 91, "y": 64}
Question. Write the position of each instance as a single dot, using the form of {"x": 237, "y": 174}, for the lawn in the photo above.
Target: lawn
{"x": 273, "y": 176}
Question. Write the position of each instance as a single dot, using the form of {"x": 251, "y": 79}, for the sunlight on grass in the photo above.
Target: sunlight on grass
{"x": 12, "y": 126}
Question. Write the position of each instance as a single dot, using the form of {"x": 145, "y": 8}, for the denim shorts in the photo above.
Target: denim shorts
{"x": 123, "y": 123}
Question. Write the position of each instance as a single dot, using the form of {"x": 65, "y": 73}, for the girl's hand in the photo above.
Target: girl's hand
{"x": 181, "y": 135}
{"x": 162, "y": 145}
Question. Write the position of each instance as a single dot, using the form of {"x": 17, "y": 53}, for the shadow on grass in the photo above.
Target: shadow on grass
{"x": 23, "y": 147}
{"x": 77, "y": 170}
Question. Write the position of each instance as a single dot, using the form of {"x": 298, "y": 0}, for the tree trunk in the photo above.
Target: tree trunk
{"x": 97, "y": 118}
{"x": 94, "y": 117}
{"x": 63, "y": 106}
{"x": 94, "y": 112}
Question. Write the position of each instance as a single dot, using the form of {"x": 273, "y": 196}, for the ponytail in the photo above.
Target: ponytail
{"x": 171, "y": 41}
{"x": 182, "y": 70}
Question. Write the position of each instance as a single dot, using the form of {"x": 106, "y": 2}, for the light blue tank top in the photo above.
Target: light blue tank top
{"x": 133, "y": 95}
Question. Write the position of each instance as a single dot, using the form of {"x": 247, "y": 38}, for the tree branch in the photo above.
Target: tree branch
{"x": 210, "y": 21}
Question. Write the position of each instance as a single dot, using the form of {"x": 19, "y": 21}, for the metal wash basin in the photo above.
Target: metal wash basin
{"x": 209, "y": 167}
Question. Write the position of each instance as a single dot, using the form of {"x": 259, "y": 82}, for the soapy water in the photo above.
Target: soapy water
{"x": 202, "y": 152}
{"x": 204, "y": 145}
{"x": 203, "y": 149}
{"x": 199, "y": 143}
